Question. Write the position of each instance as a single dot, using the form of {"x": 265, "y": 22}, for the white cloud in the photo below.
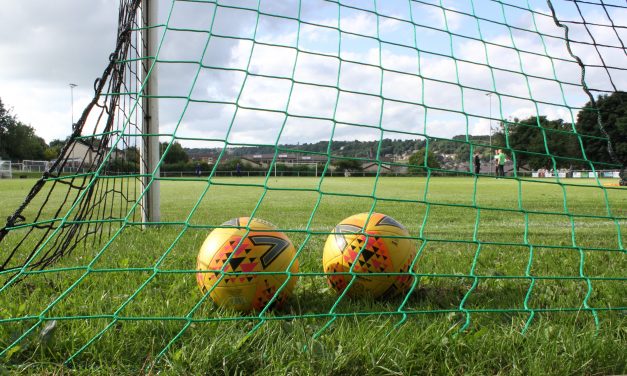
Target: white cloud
{"x": 314, "y": 101}
{"x": 46, "y": 46}
{"x": 47, "y": 52}
{"x": 273, "y": 61}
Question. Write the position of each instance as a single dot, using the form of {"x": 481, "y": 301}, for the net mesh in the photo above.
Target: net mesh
{"x": 279, "y": 77}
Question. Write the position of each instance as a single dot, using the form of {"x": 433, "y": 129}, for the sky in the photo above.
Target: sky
{"x": 433, "y": 82}
{"x": 47, "y": 45}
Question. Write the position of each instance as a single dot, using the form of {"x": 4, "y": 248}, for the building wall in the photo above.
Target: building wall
{"x": 81, "y": 151}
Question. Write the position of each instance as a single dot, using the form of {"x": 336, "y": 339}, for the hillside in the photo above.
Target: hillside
{"x": 398, "y": 149}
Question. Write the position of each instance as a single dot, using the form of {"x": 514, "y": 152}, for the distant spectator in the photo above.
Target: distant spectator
{"x": 238, "y": 169}
{"x": 197, "y": 169}
{"x": 477, "y": 162}
{"x": 500, "y": 166}
{"x": 548, "y": 172}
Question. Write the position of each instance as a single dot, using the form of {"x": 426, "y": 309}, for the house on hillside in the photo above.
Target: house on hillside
{"x": 374, "y": 167}
{"x": 252, "y": 162}
{"x": 408, "y": 154}
{"x": 208, "y": 159}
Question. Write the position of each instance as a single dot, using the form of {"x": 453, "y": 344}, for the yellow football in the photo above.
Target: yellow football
{"x": 228, "y": 255}
{"x": 383, "y": 246}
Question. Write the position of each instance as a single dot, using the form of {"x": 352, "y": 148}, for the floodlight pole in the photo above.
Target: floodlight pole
{"x": 490, "y": 121}
{"x": 149, "y": 150}
{"x": 72, "y": 86}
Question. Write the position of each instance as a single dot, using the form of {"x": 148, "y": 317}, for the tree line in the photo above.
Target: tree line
{"x": 529, "y": 139}
{"x": 18, "y": 141}
{"x": 525, "y": 140}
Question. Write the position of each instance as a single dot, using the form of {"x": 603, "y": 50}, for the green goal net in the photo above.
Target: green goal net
{"x": 493, "y": 130}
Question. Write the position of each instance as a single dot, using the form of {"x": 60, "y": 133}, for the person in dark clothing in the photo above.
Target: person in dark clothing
{"x": 238, "y": 170}
{"x": 477, "y": 162}
{"x": 197, "y": 169}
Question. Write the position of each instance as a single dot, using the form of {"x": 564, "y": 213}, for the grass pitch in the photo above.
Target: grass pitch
{"x": 131, "y": 305}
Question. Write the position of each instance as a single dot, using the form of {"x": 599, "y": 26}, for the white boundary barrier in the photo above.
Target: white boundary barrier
{"x": 578, "y": 174}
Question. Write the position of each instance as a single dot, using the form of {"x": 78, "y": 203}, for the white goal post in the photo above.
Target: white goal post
{"x": 149, "y": 150}
{"x": 313, "y": 165}
{"x": 29, "y": 165}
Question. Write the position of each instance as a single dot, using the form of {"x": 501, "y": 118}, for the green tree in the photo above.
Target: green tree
{"x": 51, "y": 153}
{"x": 418, "y": 159}
{"x": 18, "y": 141}
{"x": 176, "y": 153}
{"x": 231, "y": 165}
{"x": 26, "y": 144}
{"x": 613, "y": 112}
{"x": 53, "y": 150}
{"x": 6, "y": 121}
{"x": 531, "y": 137}
{"x": 347, "y": 164}
{"x": 58, "y": 143}
{"x": 131, "y": 155}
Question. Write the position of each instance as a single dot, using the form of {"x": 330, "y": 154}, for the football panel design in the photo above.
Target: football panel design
{"x": 256, "y": 223}
{"x": 381, "y": 254}
{"x": 275, "y": 246}
{"x": 268, "y": 287}
{"x": 254, "y": 253}
{"x": 229, "y": 250}
{"x": 374, "y": 258}
{"x": 386, "y": 220}
{"x": 377, "y": 222}
{"x": 336, "y": 281}
{"x": 375, "y": 255}
{"x": 344, "y": 234}
{"x": 237, "y": 298}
